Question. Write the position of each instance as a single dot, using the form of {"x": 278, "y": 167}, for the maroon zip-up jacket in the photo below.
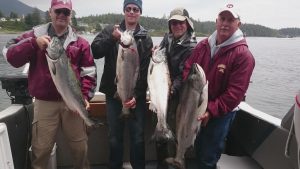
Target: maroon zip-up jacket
{"x": 40, "y": 84}
{"x": 228, "y": 73}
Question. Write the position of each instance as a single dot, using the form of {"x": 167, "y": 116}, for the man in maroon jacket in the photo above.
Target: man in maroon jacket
{"x": 228, "y": 65}
{"x": 50, "y": 112}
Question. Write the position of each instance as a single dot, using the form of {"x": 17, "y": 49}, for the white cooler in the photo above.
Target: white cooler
{"x": 6, "y": 161}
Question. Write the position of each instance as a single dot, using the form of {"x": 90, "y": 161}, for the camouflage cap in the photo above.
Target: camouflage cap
{"x": 181, "y": 14}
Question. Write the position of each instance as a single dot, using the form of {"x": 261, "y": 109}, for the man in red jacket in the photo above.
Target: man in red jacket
{"x": 50, "y": 111}
{"x": 228, "y": 65}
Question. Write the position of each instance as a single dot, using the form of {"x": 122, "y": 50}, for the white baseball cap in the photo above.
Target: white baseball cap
{"x": 232, "y": 9}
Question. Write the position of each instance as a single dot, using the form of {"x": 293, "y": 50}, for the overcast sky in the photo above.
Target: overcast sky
{"x": 271, "y": 13}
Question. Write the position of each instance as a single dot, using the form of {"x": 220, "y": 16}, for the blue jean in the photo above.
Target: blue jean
{"x": 210, "y": 141}
{"x": 136, "y": 127}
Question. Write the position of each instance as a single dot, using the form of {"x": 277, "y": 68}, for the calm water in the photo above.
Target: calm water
{"x": 275, "y": 80}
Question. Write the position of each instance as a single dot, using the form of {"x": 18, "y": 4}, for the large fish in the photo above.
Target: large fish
{"x": 127, "y": 71}
{"x": 159, "y": 86}
{"x": 296, "y": 122}
{"x": 193, "y": 102}
{"x": 65, "y": 79}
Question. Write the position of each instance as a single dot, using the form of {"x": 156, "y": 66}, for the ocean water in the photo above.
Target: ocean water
{"x": 274, "y": 83}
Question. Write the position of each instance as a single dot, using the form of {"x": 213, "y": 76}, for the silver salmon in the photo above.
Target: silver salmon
{"x": 159, "y": 86}
{"x": 65, "y": 79}
{"x": 297, "y": 123}
{"x": 193, "y": 102}
{"x": 127, "y": 71}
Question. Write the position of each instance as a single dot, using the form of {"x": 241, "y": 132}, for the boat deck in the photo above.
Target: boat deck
{"x": 226, "y": 162}
{"x": 257, "y": 141}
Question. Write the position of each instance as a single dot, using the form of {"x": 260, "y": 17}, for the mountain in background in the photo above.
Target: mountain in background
{"x": 158, "y": 26}
{"x": 8, "y": 6}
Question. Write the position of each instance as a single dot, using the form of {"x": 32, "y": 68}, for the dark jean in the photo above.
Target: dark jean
{"x": 210, "y": 141}
{"x": 136, "y": 127}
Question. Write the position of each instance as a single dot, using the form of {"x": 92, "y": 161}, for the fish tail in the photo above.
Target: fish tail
{"x": 152, "y": 107}
{"x": 127, "y": 113}
{"x": 163, "y": 135}
{"x": 177, "y": 164}
{"x": 89, "y": 122}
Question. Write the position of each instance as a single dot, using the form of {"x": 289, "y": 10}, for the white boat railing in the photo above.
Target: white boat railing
{"x": 259, "y": 114}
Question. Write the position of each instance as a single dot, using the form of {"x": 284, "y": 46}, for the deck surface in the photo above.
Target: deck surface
{"x": 226, "y": 162}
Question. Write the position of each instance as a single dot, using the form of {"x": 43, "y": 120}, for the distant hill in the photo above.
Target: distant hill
{"x": 8, "y": 6}
{"x": 158, "y": 26}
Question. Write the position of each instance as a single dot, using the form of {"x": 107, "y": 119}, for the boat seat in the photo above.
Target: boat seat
{"x": 237, "y": 162}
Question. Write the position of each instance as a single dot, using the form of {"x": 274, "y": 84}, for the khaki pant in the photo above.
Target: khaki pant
{"x": 48, "y": 118}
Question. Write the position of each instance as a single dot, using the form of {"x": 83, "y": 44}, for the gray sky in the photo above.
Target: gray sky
{"x": 271, "y": 13}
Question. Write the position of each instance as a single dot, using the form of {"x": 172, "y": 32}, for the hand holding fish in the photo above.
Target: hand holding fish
{"x": 204, "y": 118}
{"x": 154, "y": 48}
{"x": 87, "y": 105}
{"x": 65, "y": 80}
{"x": 43, "y": 41}
{"x": 173, "y": 92}
{"x": 116, "y": 34}
{"x": 131, "y": 103}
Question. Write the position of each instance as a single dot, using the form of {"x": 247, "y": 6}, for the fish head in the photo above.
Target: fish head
{"x": 197, "y": 77}
{"x": 55, "y": 48}
{"x": 126, "y": 39}
{"x": 159, "y": 55}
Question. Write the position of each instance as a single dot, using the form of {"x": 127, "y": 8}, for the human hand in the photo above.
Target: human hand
{"x": 204, "y": 118}
{"x": 173, "y": 92}
{"x": 43, "y": 41}
{"x": 116, "y": 34}
{"x": 131, "y": 103}
{"x": 154, "y": 48}
{"x": 87, "y": 105}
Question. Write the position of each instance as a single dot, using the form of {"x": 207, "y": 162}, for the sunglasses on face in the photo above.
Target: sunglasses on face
{"x": 175, "y": 22}
{"x": 66, "y": 12}
{"x": 134, "y": 9}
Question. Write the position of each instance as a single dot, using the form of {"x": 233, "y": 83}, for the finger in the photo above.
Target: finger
{"x": 87, "y": 105}
{"x": 199, "y": 118}
{"x": 42, "y": 45}
{"x": 45, "y": 45}
{"x": 88, "y": 108}
{"x": 116, "y": 26}
{"x": 204, "y": 123}
{"x": 127, "y": 106}
{"x": 48, "y": 38}
{"x": 154, "y": 48}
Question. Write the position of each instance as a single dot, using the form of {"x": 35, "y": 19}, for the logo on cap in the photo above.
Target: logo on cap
{"x": 229, "y": 5}
{"x": 64, "y": 1}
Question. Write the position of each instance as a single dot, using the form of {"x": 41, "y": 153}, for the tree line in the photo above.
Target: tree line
{"x": 156, "y": 26}
{"x": 159, "y": 26}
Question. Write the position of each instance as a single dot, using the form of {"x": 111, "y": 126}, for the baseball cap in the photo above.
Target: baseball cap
{"x": 181, "y": 14}
{"x": 58, "y": 4}
{"x": 232, "y": 9}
